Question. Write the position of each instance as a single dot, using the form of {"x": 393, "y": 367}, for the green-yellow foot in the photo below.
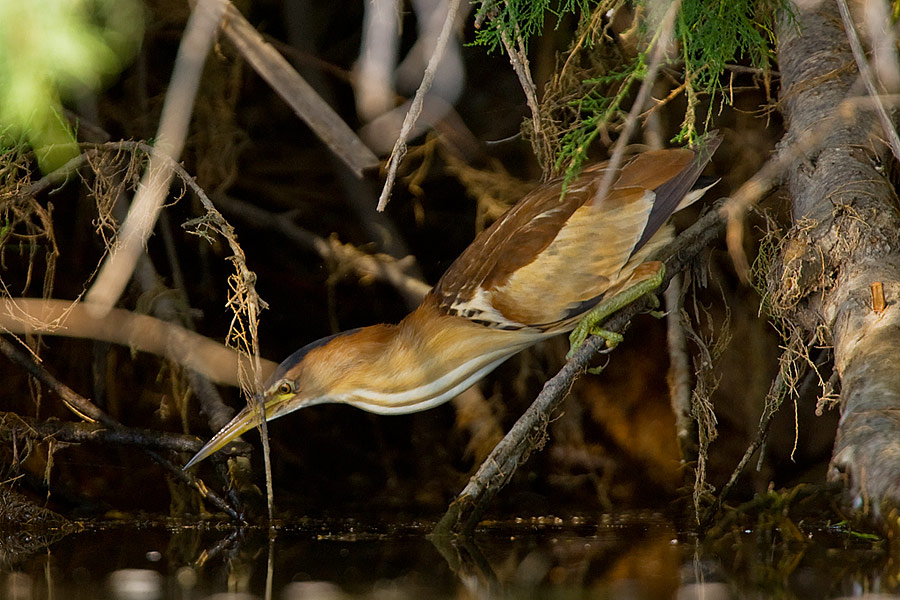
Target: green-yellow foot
{"x": 588, "y": 325}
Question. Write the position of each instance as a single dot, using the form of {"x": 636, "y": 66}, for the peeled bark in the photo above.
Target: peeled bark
{"x": 845, "y": 237}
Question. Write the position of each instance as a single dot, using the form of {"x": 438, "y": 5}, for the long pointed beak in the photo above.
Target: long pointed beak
{"x": 244, "y": 421}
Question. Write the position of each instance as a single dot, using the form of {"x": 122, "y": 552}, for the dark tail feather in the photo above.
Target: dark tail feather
{"x": 670, "y": 194}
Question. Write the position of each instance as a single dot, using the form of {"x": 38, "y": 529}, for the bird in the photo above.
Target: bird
{"x": 552, "y": 260}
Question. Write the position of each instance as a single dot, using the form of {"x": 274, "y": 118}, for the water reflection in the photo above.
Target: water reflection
{"x": 135, "y": 584}
{"x": 631, "y": 558}
{"x": 313, "y": 590}
{"x": 18, "y": 586}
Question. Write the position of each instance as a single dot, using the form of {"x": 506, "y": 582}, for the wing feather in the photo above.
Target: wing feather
{"x": 551, "y": 257}
{"x": 580, "y": 264}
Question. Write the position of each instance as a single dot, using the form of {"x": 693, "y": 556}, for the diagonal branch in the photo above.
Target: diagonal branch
{"x": 868, "y": 78}
{"x": 529, "y": 431}
{"x": 661, "y": 42}
{"x": 415, "y": 109}
{"x": 808, "y": 142}
{"x": 518, "y": 58}
{"x": 79, "y": 433}
{"x": 297, "y": 93}
{"x": 141, "y": 332}
{"x": 154, "y": 188}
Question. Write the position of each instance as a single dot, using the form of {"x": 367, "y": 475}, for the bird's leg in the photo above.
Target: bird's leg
{"x": 645, "y": 279}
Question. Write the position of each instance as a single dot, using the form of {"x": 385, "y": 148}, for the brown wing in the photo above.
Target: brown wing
{"x": 510, "y": 243}
{"x": 550, "y": 258}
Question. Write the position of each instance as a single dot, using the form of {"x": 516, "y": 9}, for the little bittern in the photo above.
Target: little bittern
{"x": 534, "y": 273}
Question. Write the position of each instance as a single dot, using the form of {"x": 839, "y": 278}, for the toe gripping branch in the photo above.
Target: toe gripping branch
{"x": 589, "y": 323}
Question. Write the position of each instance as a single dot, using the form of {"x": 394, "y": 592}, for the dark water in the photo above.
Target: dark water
{"x": 634, "y": 557}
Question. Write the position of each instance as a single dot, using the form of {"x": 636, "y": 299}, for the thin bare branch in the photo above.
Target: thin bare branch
{"x": 881, "y": 30}
{"x": 862, "y": 63}
{"x": 771, "y": 173}
{"x": 679, "y": 376}
{"x": 246, "y": 305}
{"x": 518, "y": 58}
{"x": 77, "y": 433}
{"x": 116, "y": 271}
{"x": 778, "y": 391}
{"x": 663, "y": 38}
{"x": 415, "y": 108}
{"x": 299, "y": 95}
{"x": 377, "y": 266}
{"x": 141, "y": 332}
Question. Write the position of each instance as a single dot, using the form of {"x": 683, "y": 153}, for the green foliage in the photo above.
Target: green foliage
{"x": 55, "y": 49}
{"x": 711, "y": 34}
{"x": 522, "y": 17}
{"x": 714, "y": 33}
{"x": 595, "y": 111}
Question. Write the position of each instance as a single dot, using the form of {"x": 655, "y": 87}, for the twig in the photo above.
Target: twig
{"x": 88, "y": 409}
{"x": 378, "y": 266}
{"x": 78, "y": 433}
{"x": 299, "y": 95}
{"x": 374, "y": 71}
{"x": 777, "y": 392}
{"x": 243, "y": 300}
{"x": 868, "y": 78}
{"x": 141, "y": 332}
{"x": 154, "y": 187}
{"x": 415, "y": 108}
{"x": 518, "y": 58}
{"x": 882, "y": 33}
{"x": 171, "y": 308}
{"x": 735, "y": 209}
{"x": 663, "y": 38}
{"x": 218, "y": 414}
{"x": 165, "y": 306}
{"x": 679, "y": 376}
{"x": 530, "y": 430}
{"x": 57, "y": 175}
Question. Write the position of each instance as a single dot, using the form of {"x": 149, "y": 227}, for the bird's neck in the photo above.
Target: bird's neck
{"x": 427, "y": 359}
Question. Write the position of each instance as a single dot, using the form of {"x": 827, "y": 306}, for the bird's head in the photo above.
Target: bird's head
{"x": 307, "y": 377}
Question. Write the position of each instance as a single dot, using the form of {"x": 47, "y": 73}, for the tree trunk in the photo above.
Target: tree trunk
{"x": 845, "y": 237}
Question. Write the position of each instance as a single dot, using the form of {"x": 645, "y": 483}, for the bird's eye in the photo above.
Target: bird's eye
{"x": 286, "y": 387}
